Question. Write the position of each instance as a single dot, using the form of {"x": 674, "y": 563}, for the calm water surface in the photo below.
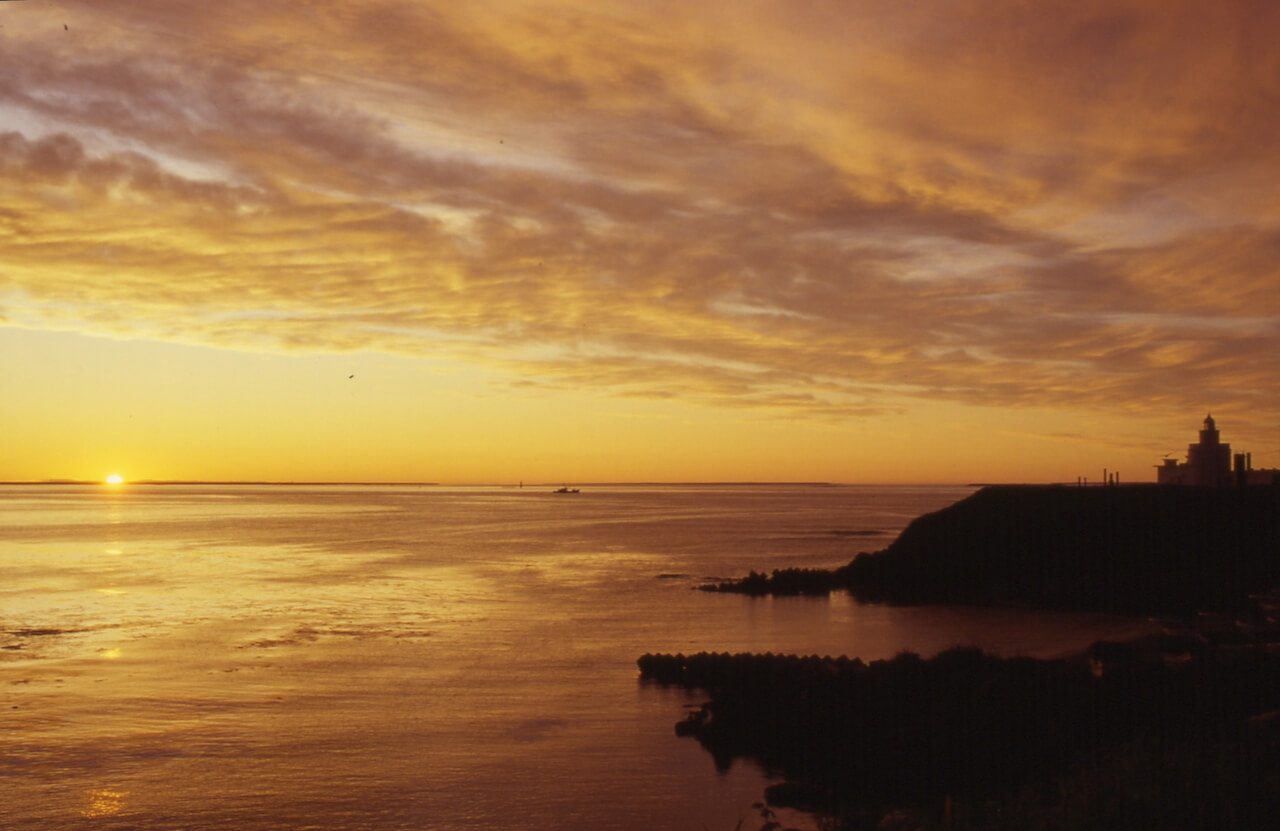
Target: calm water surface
{"x": 415, "y": 657}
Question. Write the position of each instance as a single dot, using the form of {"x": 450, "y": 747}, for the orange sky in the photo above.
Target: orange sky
{"x": 854, "y": 241}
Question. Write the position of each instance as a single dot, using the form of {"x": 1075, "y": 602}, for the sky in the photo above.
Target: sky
{"x": 591, "y": 240}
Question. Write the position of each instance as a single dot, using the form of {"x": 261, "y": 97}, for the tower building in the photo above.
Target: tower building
{"x": 1208, "y": 461}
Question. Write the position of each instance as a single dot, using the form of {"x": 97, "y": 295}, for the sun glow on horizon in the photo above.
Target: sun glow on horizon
{"x": 114, "y": 479}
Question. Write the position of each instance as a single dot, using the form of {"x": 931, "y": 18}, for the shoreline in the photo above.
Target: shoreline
{"x": 966, "y": 739}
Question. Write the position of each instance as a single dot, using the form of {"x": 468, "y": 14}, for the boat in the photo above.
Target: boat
{"x": 565, "y": 489}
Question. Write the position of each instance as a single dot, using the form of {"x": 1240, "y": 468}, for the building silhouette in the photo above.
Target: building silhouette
{"x": 1210, "y": 464}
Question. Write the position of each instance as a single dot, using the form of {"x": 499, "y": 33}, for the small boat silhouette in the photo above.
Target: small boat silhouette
{"x": 565, "y": 489}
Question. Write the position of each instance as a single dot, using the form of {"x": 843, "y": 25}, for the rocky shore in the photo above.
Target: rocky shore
{"x": 1138, "y": 549}
{"x": 1117, "y": 738}
{"x": 1175, "y": 731}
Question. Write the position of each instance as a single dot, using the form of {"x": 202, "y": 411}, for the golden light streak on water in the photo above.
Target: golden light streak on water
{"x": 104, "y": 803}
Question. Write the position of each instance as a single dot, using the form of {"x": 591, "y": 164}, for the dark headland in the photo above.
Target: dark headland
{"x": 1180, "y": 730}
{"x": 1139, "y": 549}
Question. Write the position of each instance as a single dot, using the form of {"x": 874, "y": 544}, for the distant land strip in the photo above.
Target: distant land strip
{"x": 431, "y": 484}
{"x": 219, "y": 482}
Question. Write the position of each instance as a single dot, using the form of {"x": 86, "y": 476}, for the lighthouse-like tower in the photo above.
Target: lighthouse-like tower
{"x": 1209, "y": 461}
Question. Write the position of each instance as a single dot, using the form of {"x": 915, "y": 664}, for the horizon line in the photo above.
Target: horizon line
{"x": 513, "y": 485}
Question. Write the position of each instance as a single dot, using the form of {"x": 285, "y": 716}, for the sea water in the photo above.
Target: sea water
{"x": 294, "y": 657}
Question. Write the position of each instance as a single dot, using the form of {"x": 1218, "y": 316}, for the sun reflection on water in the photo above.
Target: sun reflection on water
{"x": 104, "y": 803}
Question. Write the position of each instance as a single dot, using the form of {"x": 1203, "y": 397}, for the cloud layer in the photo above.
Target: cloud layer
{"x": 818, "y": 207}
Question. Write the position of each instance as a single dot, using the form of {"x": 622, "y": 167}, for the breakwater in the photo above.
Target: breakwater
{"x": 1131, "y": 549}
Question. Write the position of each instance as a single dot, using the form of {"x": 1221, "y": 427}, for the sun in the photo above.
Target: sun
{"x": 115, "y": 479}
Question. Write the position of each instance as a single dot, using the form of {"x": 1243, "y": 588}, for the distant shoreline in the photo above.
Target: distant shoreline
{"x": 513, "y": 485}
{"x": 99, "y": 482}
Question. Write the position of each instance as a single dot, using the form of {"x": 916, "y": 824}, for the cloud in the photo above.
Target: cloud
{"x": 814, "y": 209}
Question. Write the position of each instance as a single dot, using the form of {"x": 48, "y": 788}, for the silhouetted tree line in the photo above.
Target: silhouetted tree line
{"x": 1136, "y": 550}
{"x": 1012, "y": 742}
{"x": 783, "y": 581}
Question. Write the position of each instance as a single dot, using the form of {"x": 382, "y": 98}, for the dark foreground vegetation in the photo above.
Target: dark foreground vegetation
{"x": 1131, "y": 549}
{"x": 1117, "y": 739}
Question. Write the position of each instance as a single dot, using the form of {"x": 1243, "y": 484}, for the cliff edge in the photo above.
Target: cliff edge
{"x": 1135, "y": 549}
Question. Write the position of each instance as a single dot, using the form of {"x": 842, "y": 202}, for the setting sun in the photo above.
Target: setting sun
{"x": 115, "y": 479}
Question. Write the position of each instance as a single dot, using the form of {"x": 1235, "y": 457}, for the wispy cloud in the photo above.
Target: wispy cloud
{"x": 813, "y": 208}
